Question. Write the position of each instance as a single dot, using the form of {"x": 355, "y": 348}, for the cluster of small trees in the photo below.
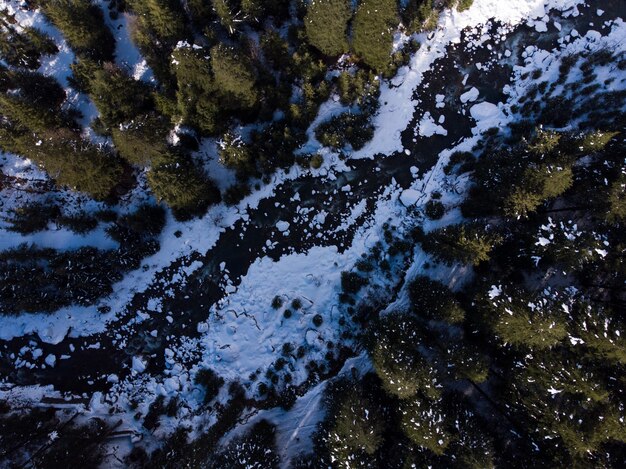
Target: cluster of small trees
{"x": 211, "y": 77}
{"x": 522, "y": 361}
{"x": 42, "y": 280}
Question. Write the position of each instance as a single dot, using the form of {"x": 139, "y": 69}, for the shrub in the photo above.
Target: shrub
{"x": 354, "y": 129}
{"x": 210, "y": 381}
{"x": 434, "y": 209}
{"x": 316, "y": 161}
{"x": 277, "y": 302}
{"x": 352, "y": 282}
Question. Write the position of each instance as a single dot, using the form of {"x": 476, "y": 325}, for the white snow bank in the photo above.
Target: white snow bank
{"x": 470, "y": 96}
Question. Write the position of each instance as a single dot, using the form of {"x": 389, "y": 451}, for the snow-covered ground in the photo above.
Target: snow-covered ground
{"x": 242, "y": 332}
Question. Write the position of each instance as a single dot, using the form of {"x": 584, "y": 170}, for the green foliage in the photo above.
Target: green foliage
{"x": 143, "y": 140}
{"x": 424, "y": 423}
{"x": 465, "y": 243}
{"x": 353, "y": 129}
{"x": 402, "y": 370}
{"x": 362, "y": 88}
{"x": 463, "y": 5}
{"x": 617, "y": 200}
{"x": 235, "y": 78}
{"x": 433, "y": 300}
{"x": 82, "y": 24}
{"x": 594, "y": 141}
{"x": 372, "y": 37}
{"x": 357, "y": 429}
{"x": 326, "y": 24}
{"x": 224, "y": 12}
{"x": 236, "y": 154}
{"x": 537, "y": 185}
{"x": 522, "y": 321}
{"x": 183, "y": 186}
{"x": 24, "y": 47}
{"x": 316, "y": 161}
{"x": 164, "y": 18}
{"x": 118, "y": 97}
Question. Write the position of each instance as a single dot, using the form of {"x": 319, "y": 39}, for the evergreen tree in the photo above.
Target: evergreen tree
{"x": 236, "y": 154}
{"x": 523, "y": 321}
{"x": 617, "y": 200}
{"x": 255, "y": 450}
{"x": 372, "y": 37}
{"x": 402, "y": 370}
{"x": 424, "y": 423}
{"x": 433, "y": 300}
{"x": 326, "y": 24}
{"x": 235, "y": 79}
{"x": 143, "y": 140}
{"x": 164, "y": 18}
{"x": 118, "y": 97}
{"x": 23, "y": 47}
{"x": 466, "y": 243}
{"x": 358, "y": 428}
{"x": 183, "y": 186}
{"x": 82, "y": 24}
{"x": 536, "y": 186}
{"x": 224, "y": 12}
{"x": 196, "y": 90}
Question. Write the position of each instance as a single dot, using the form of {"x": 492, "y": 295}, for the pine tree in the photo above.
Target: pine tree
{"x": 23, "y": 47}
{"x": 196, "y": 93}
{"x": 358, "y": 428}
{"x": 225, "y": 13}
{"x": 326, "y": 24}
{"x": 424, "y": 423}
{"x": 164, "y": 18}
{"x": 183, "y": 186}
{"x": 82, "y": 24}
{"x": 234, "y": 78}
{"x": 526, "y": 322}
{"x": 236, "y": 154}
{"x": 372, "y": 38}
{"x": 118, "y": 96}
{"x": 433, "y": 300}
{"x": 537, "y": 185}
{"x": 617, "y": 200}
{"x": 143, "y": 140}
{"x": 466, "y": 243}
{"x": 402, "y": 370}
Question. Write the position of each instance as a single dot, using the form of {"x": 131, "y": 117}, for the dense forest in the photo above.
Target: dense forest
{"x": 521, "y": 365}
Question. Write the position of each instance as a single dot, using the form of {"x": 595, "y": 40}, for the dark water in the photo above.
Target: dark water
{"x": 86, "y": 369}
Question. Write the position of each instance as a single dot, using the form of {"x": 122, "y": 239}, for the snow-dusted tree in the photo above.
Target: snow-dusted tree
{"x": 235, "y": 78}
{"x": 401, "y": 368}
{"x": 255, "y": 450}
{"x": 357, "y": 431}
{"x": 143, "y": 140}
{"x": 236, "y": 154}
{"x": 425, "y": 423}
{"x": 465, "y": 243}
{"x": 524, "y": 321}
